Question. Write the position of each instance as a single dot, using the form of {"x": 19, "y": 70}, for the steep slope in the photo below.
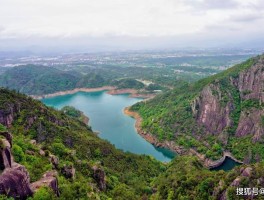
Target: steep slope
{"x": 88, "y": 168}
{"x": 221, "y": 113}
{"x": 187, "y": 179}
{"x": 59, "y": 157}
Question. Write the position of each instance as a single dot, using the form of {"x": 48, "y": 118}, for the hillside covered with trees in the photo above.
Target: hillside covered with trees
{"x": 224, "y": 112}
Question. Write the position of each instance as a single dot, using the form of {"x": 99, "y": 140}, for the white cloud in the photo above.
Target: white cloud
{"x": 127, "y": 18}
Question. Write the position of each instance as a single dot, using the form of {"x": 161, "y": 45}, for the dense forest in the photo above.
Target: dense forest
{"x": 100, "y": 171}
{"x": 39, "y": 80}
{"x": 220, "y": 113}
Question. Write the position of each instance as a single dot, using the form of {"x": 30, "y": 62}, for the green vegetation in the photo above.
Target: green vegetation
{"x": 152, "y": 87}
{"x": 39, "y": 80}
{"x": 77, "y": 114}
{"x": 187, "y": 179}
{"x": 164, "y": 72}
{"x": 2, "y": 128}
{"x": 74, "y": 144}
{"x": 71, "y": 111}
{"x": 32, "y": 79}
{"x": 169, "y": 116}
{"x": 128, "y": 83}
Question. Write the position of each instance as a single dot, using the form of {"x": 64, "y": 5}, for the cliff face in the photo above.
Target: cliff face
{"x": 251, "y": 82}
{"x": 7, "y": 115}
{"x": 209, "y": 112}
{"x": 217, "y": 102}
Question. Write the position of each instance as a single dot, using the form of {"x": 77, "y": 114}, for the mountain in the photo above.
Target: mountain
{"x": 51, "y": 154}
{"x": 40, "y": 80}
{"x": 38, "y": 142}
{"x": 32, "y": 79}
{"x": 222, "y": 113}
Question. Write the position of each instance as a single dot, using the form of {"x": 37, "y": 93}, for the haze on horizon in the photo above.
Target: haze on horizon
{"x": 89, "y": 25}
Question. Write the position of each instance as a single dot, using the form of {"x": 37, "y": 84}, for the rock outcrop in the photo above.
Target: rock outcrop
{"x": 250, "y": 122}
{"x": 49, "y": 179}
{"x": 8, "y": 137}
{"x": 15, "y": 182}
{"x": 250, "y": 82}
{"x": 68, "y": 171}
{"x": 213, "y": 107}
{"x": 209, "y": 112}
{"x": 15, "y": 179}
{"x": 99, "y": 177}
{"x": 5, "y": 154}
{"x": 7, "y": 115}
{"x": 54, "y": 161}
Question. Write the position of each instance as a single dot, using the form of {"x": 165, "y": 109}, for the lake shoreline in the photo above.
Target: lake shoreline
{"x": 133, "y": 93}
{"x": 61, "y": 93}
{"x": 112, "y": 90}
{"x": 208, "y": 163}
{"x": 151, "y": 138}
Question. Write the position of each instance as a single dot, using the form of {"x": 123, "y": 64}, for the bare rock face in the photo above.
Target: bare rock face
{"x": 14, "y": 182}
{"x": 247, "y": 172}
{"x": 250, "y": 82}
{"x": 215, "y": 116}
{"x": 5, "y": 154}
{"x": 68, "y": 171}
{"x": 250, "y": 122}
{"x": 236, "y": 182}
{"x": 7, "y": 116}
{"x": 54, "y": 161}
{"x": 49, "y": 179}
{"x": 209, "y": 112}
{"x": 8, "y": 137}
{"x": 99, "y": 177}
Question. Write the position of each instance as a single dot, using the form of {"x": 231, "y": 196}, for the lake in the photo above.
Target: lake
{"x": 106, "y": 116}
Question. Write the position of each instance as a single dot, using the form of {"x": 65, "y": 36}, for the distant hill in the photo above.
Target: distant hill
{"x": 32, "y": 79}
{"x": 224, "y": 112}
{"x": 39, "y": 80}
{"x": 128, "y": 83}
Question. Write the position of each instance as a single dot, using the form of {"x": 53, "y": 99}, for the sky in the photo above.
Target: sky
{"x": 130, "y": 24}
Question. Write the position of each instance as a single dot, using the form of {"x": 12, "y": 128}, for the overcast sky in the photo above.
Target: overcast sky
{"x": 130, "y": 23}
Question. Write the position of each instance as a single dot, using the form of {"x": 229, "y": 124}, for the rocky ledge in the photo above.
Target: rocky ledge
{"x": 15, "y": 179}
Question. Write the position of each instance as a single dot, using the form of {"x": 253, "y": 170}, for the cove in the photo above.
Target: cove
{"x": 106, "y": 116}
{"x": 227, "y": 165}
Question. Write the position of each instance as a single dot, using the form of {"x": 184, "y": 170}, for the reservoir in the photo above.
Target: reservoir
{"x": 106, "y": 116}
{"x": 227, "y": 165}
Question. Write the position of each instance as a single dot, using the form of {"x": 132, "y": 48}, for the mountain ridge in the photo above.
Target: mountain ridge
{"x": 206, "y": 115}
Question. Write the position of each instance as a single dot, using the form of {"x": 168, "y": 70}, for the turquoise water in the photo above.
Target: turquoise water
{"x": 227, "y": 165}
{"x": 106, "y": 116}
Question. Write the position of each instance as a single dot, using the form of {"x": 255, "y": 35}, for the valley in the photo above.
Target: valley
{"x": 106, "y": 117}
{"x": 209, "y": 123}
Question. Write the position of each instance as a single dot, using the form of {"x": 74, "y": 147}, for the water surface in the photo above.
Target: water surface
{"x": 227, "y": 165}
{"x": 106, "y": 116}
